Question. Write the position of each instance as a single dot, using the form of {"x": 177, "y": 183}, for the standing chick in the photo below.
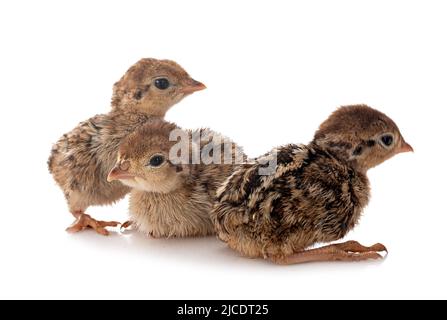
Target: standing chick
{"x": 82, "y": 158}
{"x": 171, "y": 198}
{"x": 315, "y": 194}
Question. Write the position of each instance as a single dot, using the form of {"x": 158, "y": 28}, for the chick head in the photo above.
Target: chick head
{"x": 153, "y": 86}
{"x": 363, "y": 135}
{"x": 143, "y": 160}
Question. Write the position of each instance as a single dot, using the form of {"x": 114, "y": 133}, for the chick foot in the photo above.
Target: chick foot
{"x": 354, "y": 246}
{"x": 346, "y": 251}
{"x": 84, "y": 221}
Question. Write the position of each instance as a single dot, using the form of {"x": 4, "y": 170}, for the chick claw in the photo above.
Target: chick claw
{"x": 85, "y": 221}
{"x": 126, "y": 225}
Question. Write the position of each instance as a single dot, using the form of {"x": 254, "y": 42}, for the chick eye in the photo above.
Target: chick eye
{"x": 162, "y": 83}
{"x": 387, "y": 139}
{"x": 156, "y": 161}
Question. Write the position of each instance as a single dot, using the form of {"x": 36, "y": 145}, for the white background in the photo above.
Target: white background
{"x": 274, "y": 71}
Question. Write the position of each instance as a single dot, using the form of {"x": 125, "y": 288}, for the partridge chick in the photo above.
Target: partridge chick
{"x": 173, "y": 197}
{"x": 315, "y": 194}
{"x": 82, "y": 158}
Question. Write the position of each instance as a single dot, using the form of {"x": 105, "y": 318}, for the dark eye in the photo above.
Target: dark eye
{"x": 156, "y": 161}
{"x": 161, "y": 83}
{"x": 387, "y": 139}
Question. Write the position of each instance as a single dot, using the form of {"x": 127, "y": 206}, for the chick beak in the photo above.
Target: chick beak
{"x": 120, "y": 172}
{"x": 192, "y": 86}
{"x": 406, "y": 147}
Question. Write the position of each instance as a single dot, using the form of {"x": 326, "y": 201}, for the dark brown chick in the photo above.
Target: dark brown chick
{"x": 173, "y": 198}
{"x": 316, "y": 192}
{"x": 82, "y": 158}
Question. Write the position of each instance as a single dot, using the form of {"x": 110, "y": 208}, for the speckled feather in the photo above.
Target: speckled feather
{"x": 312, "y": 197}
{"x": 81, "y": 159}
{"x": 316, "y": 193}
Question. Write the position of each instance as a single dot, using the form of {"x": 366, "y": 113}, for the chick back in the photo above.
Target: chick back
{"x": 311, "y": 196}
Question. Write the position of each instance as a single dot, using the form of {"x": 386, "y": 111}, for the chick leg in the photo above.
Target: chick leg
{"x": 84, "y": 221}
{"x": 327, "y": 253}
